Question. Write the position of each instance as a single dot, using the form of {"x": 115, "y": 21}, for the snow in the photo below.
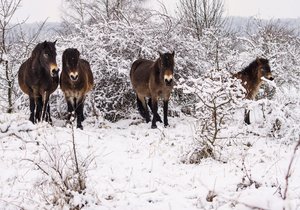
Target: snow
{"x": 124, "y": 164}
{"x": 135, "y": 167}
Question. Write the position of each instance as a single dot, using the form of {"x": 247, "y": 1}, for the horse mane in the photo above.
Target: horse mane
{"x": 35, "y": 54}
{"x": 70, "y": 52}
{"x": 167, "y": 60}
{"x": 164, "y": 60}
{"x": 36, "y": 51}
{"x": 157, "y": 65}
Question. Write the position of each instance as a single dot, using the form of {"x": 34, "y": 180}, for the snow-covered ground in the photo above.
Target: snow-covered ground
{"x": 130, "y": 166}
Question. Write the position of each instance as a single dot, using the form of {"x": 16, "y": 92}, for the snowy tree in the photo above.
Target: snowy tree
{"x": 88, "y": 12}
{"x": 198, "y": 15}
{"x": 7, "y": 11}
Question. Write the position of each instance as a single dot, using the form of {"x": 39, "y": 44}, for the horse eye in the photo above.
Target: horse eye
{"x": 46, "y": 55}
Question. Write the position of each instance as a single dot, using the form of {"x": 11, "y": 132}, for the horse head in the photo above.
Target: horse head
{"x": 44, "y": 54}
{"x": 70, "y": 63}
{"x": 264, "y": 68}
{"x": 167, "y": 67}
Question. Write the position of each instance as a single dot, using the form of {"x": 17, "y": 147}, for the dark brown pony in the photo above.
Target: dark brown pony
{"x": 251, "y": 77}
{"x": 38, "y": 78}
{"x": 76, "y": 80}
{"x": 154, "y": 80}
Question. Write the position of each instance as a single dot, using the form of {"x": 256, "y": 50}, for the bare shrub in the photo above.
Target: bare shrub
{"x": 65, "y": 178}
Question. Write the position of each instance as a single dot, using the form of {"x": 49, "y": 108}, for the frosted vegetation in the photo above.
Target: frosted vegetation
{"x": 207, "y": 159}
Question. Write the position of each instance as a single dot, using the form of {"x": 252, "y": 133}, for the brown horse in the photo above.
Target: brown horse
{"x": 154, "y": 80}
{"x": 251, "y": 77}
{"x": 38, "y": 78}
{"x": 76, "y": 80}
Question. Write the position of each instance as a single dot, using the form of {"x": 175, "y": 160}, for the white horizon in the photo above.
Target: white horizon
{"x": 38, "y": 11}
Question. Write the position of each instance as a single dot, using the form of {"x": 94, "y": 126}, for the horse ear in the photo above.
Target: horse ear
{"x": 55, "y": 42}
{"x": 78, "y": 53}
{"x": 258, "y": 61}
{"x": 160, "y": 54}
{"x": 44, "y": 44}
{"x": 173, "y": 53}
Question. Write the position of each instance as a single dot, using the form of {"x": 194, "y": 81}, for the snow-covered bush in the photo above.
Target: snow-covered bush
{"x": 219, "y": 96}
{"x": 280, "y": 116}
{"x": 112, "y": 47}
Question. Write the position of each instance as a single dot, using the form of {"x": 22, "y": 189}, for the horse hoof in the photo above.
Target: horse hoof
{"x": 167, "y": 125}
{"x": 247, "y": 122}
{"x": 158, "y": 119}
{"x": 153, "y": 126}
{"x": 80, "y": 127}
{"x": 49, "y": 120}
{"x": 31, "y": 120}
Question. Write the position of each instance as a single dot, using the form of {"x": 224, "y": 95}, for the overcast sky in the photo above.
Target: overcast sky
{"x": 264, "y": 8}
{"x": 39, "y": 10}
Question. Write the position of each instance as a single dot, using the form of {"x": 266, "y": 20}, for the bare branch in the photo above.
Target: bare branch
{"x": 288, "y": 174}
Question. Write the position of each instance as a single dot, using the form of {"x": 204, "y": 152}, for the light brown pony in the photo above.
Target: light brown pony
{"x": 154, "y": 80}
{"x": 38, "y": 78}
{"x": 76, "y": 81}
{"x": 251, "y": 77}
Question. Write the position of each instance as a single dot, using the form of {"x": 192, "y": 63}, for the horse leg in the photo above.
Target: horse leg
{"x": 45, "y": 105}
{"x": 79, "y": 113}
{"x": 48, "y": 116}
{"x": 150, "y": 105}
{"x": 154, "y": 109}
{"x": 32, "y": 108}
{"x": 247, "y": 116}
{"x": 70, "y": 109}
{"x": 82, "y": 116}
{"x": 142, "y": 107}
{"x": 38, "y": 108}
{"x": 46, "y": 113}
{"x": 166, "y": 102}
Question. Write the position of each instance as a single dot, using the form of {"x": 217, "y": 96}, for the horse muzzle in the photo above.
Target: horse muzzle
{"x": 271, "y": 78}
{"x": 54, "y": 72}
{"x": 74, "y": 76}
{"x": 168, "y": 80}
{"x": 268, "y": 76}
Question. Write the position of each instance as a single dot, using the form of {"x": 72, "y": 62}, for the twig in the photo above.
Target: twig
{"x": 80, "y": 181}
{"x": 249, "y": 206}
{"x": 12, "y": 204}
{"x": 288, "y": 174}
